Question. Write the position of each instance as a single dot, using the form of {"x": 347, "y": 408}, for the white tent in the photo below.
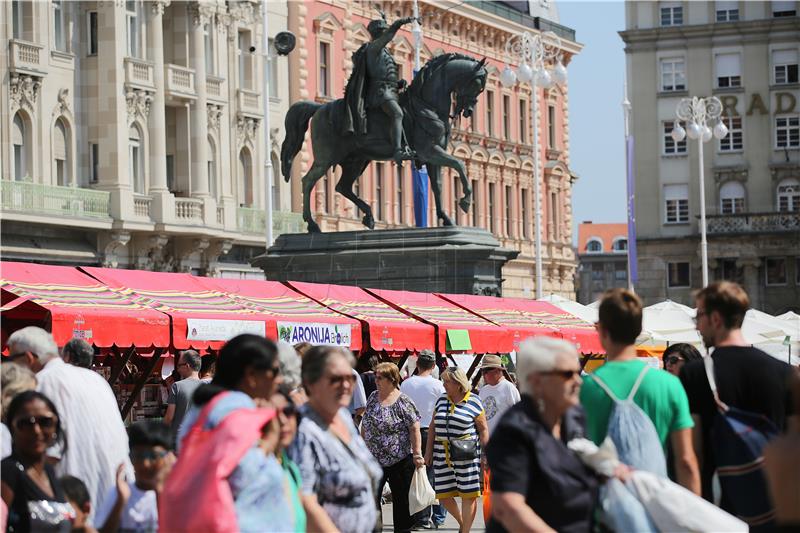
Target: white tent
{"x": 572, "y": 307}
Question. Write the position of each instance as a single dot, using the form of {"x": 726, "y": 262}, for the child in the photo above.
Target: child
{"x": 78, "y": 497}
{"x": 132, "y": 506}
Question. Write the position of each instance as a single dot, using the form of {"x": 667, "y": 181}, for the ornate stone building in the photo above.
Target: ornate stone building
{"x": 496, "y": 144}
{"x": 132, "y": 133}
{"x": 746, "y": 54}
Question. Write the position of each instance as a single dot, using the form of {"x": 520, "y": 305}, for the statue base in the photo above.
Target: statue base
{"x": 456, "y": 260}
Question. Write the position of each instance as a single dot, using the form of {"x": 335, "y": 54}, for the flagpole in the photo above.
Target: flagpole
{"x": 629, "y": 180}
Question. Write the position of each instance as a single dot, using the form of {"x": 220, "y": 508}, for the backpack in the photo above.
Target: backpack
{"x": 633, "y": 433}
{"x": 738, "y": 438}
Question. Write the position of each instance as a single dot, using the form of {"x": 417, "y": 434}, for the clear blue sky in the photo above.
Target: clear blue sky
{"x": 597, "y": 149}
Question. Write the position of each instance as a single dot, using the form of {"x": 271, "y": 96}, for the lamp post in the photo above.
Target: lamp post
{"x": 697, "y": 113}
{"x": 535, "y": 54}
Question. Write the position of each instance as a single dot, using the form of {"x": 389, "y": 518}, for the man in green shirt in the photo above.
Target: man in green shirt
{"x": 661, "y": 395}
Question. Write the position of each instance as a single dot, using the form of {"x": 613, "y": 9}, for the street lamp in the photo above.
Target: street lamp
{"x": 697, "y": 113}
{"x": 535, "y": 54}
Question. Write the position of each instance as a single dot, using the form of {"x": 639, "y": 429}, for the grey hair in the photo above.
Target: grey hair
{"x": 316, "y": 360}
{"x": 290, "y": 366}
{"x": 192, "y": 359}
{"x": 79, "y": 351}
{"x": 540, "y": 354}
{"x": 35, "y": 340}
{"x": 14, "y": 379}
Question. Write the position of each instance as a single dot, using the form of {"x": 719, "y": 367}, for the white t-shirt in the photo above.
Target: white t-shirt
{"x": 497, "y": 399}
{"x": 423, "y": 391}
{"x": 140, "y": 515}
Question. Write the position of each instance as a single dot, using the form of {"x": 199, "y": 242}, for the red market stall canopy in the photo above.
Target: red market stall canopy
{"x": 71, "y": 304}
{"x": 388, "y": 328}
{"x": 293, "y": 317}
{"x": 201, "y": 318}
{"x": 458, "y": 329}
{"x": 504, "y": 312}
{"x": 572, "y": 329}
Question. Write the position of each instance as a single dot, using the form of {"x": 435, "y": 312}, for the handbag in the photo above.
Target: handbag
{"x": 465, "y": 449}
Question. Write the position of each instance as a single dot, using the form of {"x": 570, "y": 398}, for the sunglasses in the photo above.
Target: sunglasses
{"x": 565, "y": 374}
{"x": 17, "y": 355}
{"x": 340, "y": 379}
{"x": 44, "y": 422}
{"x": 674, "y": 359}
{"x": 289, "y": 410}
{"x": 147, "y": 455}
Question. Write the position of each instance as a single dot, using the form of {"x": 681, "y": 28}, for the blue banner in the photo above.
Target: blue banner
{"x": 420, "y": 176}
{"x": 632, "y": 268}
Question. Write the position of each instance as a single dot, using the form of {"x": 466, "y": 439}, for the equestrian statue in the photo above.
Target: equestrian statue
{"x": 380, "y": 119}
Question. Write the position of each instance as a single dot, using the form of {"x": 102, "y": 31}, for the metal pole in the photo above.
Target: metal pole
{"x": 626, "y": 110}
{"x": 268, "y": 179}
{"x": 703, "y": 241}
{"x": 537, "y": 201}
{"x": 417, "y": 42}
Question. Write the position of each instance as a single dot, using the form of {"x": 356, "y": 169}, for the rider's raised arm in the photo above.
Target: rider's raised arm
{"x": 390, "y": 32}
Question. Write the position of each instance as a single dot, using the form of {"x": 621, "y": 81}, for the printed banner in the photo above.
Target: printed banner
{"x": 201, "y": 329}
{"x": 315, "y": 333}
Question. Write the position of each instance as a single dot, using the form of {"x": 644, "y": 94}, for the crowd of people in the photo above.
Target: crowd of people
{"x": 273, "y": 437}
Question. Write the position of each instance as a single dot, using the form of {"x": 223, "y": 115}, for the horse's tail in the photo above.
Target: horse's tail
{"x": 296, "y": 124}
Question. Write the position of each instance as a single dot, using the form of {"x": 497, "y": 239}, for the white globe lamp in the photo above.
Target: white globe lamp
{"x": 524, "y": 73}
{"x": 508, "y": 78}
{"x": 720, "y": 130}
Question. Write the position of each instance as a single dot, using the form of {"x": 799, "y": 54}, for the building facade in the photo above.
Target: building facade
{"x": 132, "y": 133}
{"x": 602, "y": 259}
{"x": 496, "y": 145}
{"x": 746, "y": 54}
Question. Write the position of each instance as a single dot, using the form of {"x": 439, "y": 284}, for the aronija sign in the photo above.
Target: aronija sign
{"x": 315, "y": 333}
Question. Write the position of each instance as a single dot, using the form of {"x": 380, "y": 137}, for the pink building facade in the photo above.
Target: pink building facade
{"x": 495, "y": 145}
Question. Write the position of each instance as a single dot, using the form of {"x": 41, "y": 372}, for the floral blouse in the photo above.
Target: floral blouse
{"x": 387, "y": 429}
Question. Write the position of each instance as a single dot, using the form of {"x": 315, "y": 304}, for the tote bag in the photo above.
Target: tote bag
{"x": 197, "y": 496}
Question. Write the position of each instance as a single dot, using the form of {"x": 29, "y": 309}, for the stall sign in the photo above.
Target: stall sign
{"x": 203, "y": 329}
{"x": 314, "y": 333}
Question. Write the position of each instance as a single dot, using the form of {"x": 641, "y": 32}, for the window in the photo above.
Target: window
{"x": 598, "y": 272}
{"x": 673, "y": 74}
{"x": 787, "y": 131}
{"x": 245, "y": 61}
{"x": 594, "y": 246}
{"x": 551, "y": 127}
{"x": 784, "y": 8}
{"x": 474, "y": 211}
{"x": 728, "y": 270}
{"x": 18, "y": 135}
{"x": 789, "y": 196}
{"x": 61, "y": 153}
{"x": 17, "y": 18}
{"x": 676, "y": 200}
{"x": 132, "y": 25}
{"x": 379, "y": 191}
{"x": 398, "y": 191}
{"x": 91, "y": 21}
{"x": 620, "y": 244}
{"x": 731, "y": 198}
{"x": 490, "y": 208}
{"x": 729, "y": 70}
{"x": 490, "y": 113}
{"x": 59, "y": 35}
{"x": 171, "y": 174}
{"x": 523, "y": 128}
{"x": 273, "y": 71}
{"x": 454, "y": 189}
{"x": 554, "y": 214}
{"x": 245, "y": 178}
{"x": 784, "y": 66}
{"x": 671, "y": 14}
{"x": 208, "y": 42}
{"x": 678, "y": 275}
{"x": 732, "y": 142}
{"x": 506, "y": 117}
{"x": 526, "y": 230}
{"x": 776, "y": 270}
{"x": 136, "y": 160}
{"x": 621, "y": 272}
{"x": 94, "y": 162}
{"x": 727, "y": 11}
{"x": 212, "y": 169}
{"x": 670, "y": 146}
{"x": 323, "y": 79}
{"x": 509, "y": 205}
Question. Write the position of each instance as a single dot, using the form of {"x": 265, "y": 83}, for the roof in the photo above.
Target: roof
{"x": 606, "y": 233}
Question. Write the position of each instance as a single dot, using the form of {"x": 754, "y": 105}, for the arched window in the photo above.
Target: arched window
{"x": 620, "y": 244}
{"x": 212, "y": 169}
{"x": 731, "y": 198}
{"x": 789, "y": 195}
{"x": 245, "y": 181}
{"x": 136, "y": 159}
{"x": 19, "y": 140}
{"x": 594, "y": 246}
{"x": 61, "y": 153}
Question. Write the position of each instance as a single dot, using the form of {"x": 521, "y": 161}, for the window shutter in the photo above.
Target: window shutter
{"x": 727, "y": 65}
{"x": 784, "y": 57}
{"x": 676, "y": 192}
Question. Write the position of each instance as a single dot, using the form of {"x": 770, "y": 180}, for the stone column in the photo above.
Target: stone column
{"x": 200, "y": 16}
{"x": 158, "y": 130}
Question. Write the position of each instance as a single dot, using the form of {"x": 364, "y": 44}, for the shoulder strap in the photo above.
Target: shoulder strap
{"x": 708, "y": 364}
{"x": 638, "y": 382}
{"x": 605, "y": 388}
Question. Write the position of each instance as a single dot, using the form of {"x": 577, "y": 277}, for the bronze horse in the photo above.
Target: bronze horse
{"x": 427, "y": 105}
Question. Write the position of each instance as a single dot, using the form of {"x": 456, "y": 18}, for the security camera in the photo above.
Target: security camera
{"x": 284, "y": 43}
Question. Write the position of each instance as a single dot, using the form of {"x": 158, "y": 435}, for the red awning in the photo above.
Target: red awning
{"x": 572, "y": 328}
{"x": 201, "y": 317}
{"x": 388, "y": 329}
{"x": 504, "y": 312}
{"x": 72, "y": 304}
{"x": 289, "y": 309}
{"x": 458, "y": 329}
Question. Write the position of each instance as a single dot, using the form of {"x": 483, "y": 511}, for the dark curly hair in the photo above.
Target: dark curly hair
{"x": 24, "y": 398}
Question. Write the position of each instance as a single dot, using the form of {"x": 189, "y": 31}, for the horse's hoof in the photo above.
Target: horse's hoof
{"x": 446, "y": 220}
{"x": 313, "y": 227}
{"x": 368, "y": 221}
{"x": 465, "y": 203}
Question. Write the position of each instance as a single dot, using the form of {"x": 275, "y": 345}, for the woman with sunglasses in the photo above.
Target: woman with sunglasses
{"x": 30, "y": 487}
{"x": 339, "y": 473}
{"x": 288, "y": 419}
{"x": 538, "y": 484}
{"x": 677, "y": 355}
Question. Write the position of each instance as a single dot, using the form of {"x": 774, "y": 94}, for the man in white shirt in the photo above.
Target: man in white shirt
{"x": 96, "y": 440}
{"x": 424, "y": 390}
{"x": 498, "y": 393}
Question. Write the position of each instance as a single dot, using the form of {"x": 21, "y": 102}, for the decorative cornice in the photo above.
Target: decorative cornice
{"x": 246, "y": 128}
{"x": 201, "y": 13}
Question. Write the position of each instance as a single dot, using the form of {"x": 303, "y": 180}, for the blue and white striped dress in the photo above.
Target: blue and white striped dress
{"x": 456, "y": 478}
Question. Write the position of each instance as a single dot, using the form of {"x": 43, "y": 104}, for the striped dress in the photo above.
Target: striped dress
{"x": 456, "y": 478}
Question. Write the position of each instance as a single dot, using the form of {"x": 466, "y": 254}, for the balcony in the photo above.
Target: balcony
{"x": 753, "y": 223}
{"x": 141, "y": 206}
{"x": 214, "y": 89}
{"x": 27, "y": 58}
{"x": 39, "y": 199}
{"x": 249, "y": 103}
{"x": 139, "y": 73}
{"x": 189, "y": 210}
{"x": 179, "y": 82}
{"x": 250, "y": 220}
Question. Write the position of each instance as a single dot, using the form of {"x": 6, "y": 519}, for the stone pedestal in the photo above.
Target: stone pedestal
{"x": 449, "y": 260}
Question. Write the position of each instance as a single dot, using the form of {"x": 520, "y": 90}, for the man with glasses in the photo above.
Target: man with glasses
{"x": 180, "y": 394}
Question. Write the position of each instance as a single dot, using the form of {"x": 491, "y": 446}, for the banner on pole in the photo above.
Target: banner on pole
{"x": 420, "y": 196}
{"x": 632, "y": 257}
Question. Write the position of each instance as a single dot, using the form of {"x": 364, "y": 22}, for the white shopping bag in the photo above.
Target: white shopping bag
{"x": 421, "y": 494}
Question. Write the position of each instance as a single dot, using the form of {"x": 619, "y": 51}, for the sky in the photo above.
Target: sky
{"x": 597, "y": 145}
